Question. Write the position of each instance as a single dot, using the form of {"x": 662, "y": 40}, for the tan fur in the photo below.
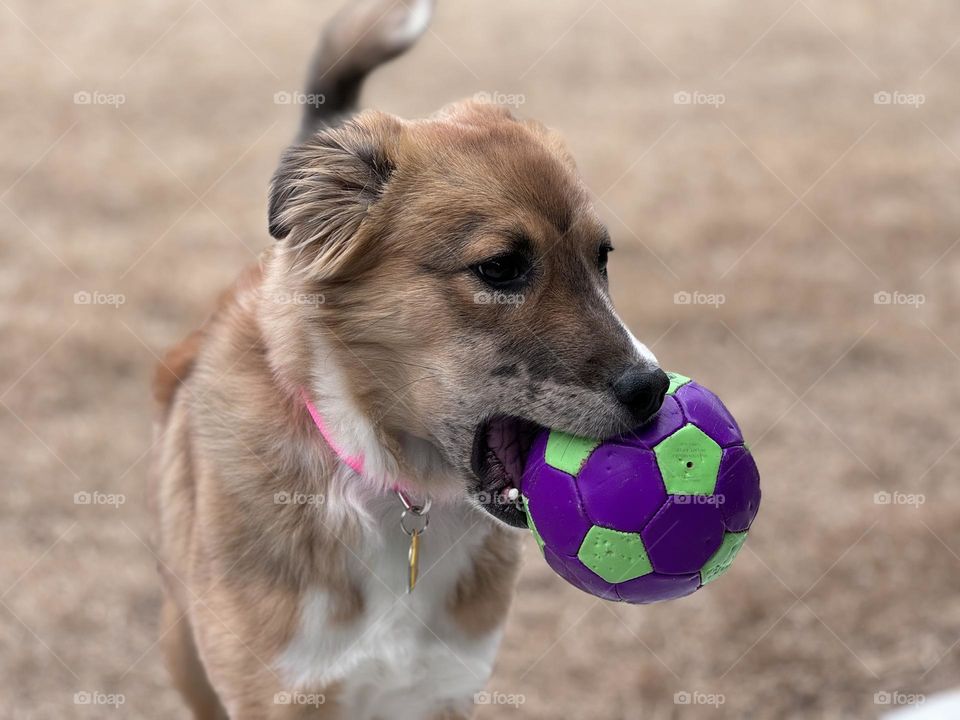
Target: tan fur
{"x": 176, "y": 366}
{"x": 234, "y": 561}
{"x": 189, "y": 675}
{"x": 483, "y": 595}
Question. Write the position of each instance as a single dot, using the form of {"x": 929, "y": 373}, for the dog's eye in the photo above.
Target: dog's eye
{"x": 502, "y": 270}
{"x": 602, "y": 257}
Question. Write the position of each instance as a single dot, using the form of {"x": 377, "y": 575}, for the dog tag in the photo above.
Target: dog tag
{"x": 413, "y": 521}
{"x": 413, "y": 557}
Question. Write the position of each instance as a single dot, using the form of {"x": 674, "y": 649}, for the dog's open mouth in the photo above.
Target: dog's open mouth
{"x": 500, "y": 448}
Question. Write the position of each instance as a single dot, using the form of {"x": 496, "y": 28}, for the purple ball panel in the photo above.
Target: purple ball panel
{"x": 704, "y": 409}
{"x": 738, "y": 488}
{"x": 537, "y": 454}
{"x": 579, "y": 575}
{"x": 656, "y": 587}
{"x": 683, "y": 535}
{"x": 667, "y": 421}
{"x": 554, "y": 502}
{"x": 621, "y": 487}
{"x": 536, "y": 460}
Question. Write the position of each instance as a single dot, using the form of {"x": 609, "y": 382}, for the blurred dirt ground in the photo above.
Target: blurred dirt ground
{"x": 796, "y": 199}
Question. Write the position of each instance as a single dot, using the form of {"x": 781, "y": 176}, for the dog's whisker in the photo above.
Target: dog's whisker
{"x": 392, "y": 361}
{"x": 407, "y": 386}
{"x": 383, "y": 317}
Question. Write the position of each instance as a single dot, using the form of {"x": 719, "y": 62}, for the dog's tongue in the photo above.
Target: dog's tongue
{"x": 510, "y": 443}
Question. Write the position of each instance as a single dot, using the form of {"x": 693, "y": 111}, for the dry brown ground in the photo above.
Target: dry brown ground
{"x": 797, "y": 199}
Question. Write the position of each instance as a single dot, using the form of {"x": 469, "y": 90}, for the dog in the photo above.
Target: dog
{"x": 351, "y": 421}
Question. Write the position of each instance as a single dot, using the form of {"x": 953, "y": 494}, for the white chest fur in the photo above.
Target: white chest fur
{"x": 403, "y": 658}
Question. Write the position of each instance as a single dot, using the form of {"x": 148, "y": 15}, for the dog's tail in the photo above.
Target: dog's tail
{"x": 363, "y": 35}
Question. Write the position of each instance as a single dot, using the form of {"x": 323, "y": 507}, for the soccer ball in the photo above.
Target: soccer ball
{"x": 652, "y": 514}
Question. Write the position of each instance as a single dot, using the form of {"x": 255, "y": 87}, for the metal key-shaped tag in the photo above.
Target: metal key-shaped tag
{"x": 413, "y": 521}
{"x": 414, "y": 558}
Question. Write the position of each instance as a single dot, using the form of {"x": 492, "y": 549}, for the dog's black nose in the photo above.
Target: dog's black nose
{"x": 641, "y": 389}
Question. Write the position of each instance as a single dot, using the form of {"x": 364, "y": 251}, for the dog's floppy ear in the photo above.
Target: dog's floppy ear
{"x": 324, "y": 187}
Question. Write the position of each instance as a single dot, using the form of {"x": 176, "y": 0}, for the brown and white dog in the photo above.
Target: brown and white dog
{"x": 437, "y": 290}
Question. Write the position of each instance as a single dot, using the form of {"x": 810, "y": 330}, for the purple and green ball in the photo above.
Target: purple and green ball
{"x": 652, "y": 514}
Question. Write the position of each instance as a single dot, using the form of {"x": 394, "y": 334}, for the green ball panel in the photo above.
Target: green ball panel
{"x": 531, "y": 524}
{"x": 676, "y": 381}
{"x": 722, "y": 559}
{"x": 689, "y": 461}
{"x": 613, "y": 555}
{"x": 568, "y": 452}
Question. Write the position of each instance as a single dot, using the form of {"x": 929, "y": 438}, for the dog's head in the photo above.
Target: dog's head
{"x": 462, "y": 271}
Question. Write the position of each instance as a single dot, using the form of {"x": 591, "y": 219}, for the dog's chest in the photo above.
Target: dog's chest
{"x": 404, "y": 657}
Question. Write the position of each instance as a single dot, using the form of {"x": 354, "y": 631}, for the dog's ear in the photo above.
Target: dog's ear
{"x": 324, "y": 187}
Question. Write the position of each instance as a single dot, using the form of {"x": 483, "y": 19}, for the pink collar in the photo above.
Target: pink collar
{"x": 354, "y": 462}
{"x": 415, "y": 517}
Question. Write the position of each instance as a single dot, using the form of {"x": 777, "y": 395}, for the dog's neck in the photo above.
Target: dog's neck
{"x": 386, "y": 463}
{"x": 349, "y": 432}
{"x": 355, "y": 462}
{"x": 305, "y": 359}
